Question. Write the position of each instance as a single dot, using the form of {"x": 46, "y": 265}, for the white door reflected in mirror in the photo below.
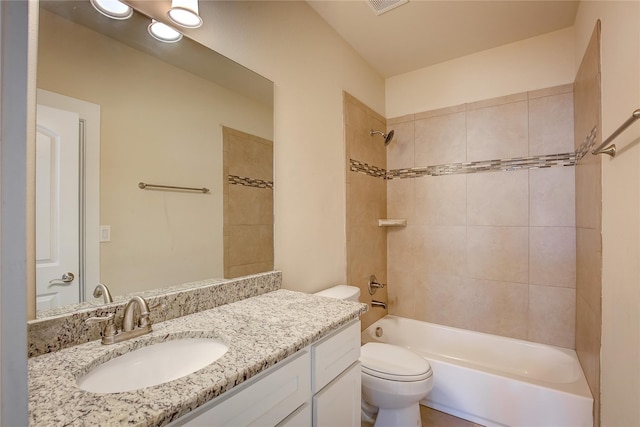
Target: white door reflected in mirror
{"x": 57, "y": 207}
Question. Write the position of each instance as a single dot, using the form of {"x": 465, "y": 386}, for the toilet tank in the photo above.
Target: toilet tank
{"x": 343, "y": 292}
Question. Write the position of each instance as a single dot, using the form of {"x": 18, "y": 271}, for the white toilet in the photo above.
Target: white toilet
{"x": 394, "y": 379}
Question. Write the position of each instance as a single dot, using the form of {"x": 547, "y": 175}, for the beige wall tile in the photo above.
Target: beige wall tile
{"x": 401, "y": 119}
{"x": 360, "y": 144}
{"x": 440, "y": 140}
{"x": 443, "y": 299}
{"x": 587, "y": 101}
{"x": 498, "y": 132}
{"x": 401, "y": 252}
{"x": 367, "y": 255}
{"x": 550, "y": 91}
{"x": 400, "y": 271}
{"x": 401, "y": 199}
{"x": 551, "y": 125}
{"x": 441, "y": 250}
{"x": 588, "y": 188}
{"x": 250, "y": 244}
{"x": 400, "y": 150}
{"x": 499, "y": 308}
{"x": 498, "y": 198}
{"x": 552, "y": 256}
{"x": 402, "y": 293}
{"x": 247, "y": 155}
{"x": 500, "y": 100}
{"x": 589, "y": 267}
{"x": 367, "y": 199}
{"x": 498, "y": 253}
{"x": 249, "y": 205}
{"x": 588, "y": 344}
{"x": 248, "y": 269}
{"x": 552, "y": 197}
{"x": 441, "y": 200}
{"x": 440, "y": 112}
{"x": 552, "y": 315}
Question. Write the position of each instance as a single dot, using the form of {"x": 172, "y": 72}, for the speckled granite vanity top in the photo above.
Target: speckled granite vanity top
{"x": 260, "y": 331}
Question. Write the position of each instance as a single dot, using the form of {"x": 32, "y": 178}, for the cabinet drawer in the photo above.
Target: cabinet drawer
{"x": 334, "y": 354}
{"x": 264, "y": 402}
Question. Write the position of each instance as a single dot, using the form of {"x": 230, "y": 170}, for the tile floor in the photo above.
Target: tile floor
{"x": 432, "y": 418}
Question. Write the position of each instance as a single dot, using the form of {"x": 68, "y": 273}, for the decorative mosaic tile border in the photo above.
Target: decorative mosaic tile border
{"x": 367, "y": 169}
{"x": 587, "y": 145}
{"x": 497, "y": 165}
{"x": 517, "y": 163}
{"x": 249, "y": 182}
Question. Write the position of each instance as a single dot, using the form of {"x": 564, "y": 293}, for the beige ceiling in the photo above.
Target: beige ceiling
{"x": 426, "y": 32}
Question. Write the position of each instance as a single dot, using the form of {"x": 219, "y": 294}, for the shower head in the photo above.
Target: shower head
{"x": 387, "y": 136}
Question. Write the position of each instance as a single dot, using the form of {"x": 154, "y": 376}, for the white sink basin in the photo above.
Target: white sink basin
{"x": 152, "y": 365}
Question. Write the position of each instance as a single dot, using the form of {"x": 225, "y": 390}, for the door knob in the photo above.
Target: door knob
{"x": 66, "y": 278}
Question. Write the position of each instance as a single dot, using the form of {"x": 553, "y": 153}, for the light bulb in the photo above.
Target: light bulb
{"x": 185, "y": 13}
{"x": 113, "y": 9}
{"x": 163, "y": 32}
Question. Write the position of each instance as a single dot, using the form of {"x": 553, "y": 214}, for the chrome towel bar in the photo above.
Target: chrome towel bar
{"x": 611, "y": 150}
{"x": 143, "y": 185}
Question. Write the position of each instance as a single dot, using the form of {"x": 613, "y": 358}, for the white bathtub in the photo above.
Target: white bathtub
{"x": 493, "y": 380}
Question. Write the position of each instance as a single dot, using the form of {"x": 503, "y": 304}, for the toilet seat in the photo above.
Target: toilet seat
{"x": 393, "y": 363}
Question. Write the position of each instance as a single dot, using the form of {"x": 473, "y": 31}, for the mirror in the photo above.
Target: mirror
{"x": 147, "y": 113}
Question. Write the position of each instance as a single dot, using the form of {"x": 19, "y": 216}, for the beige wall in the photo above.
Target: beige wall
{"x": 487, "y": 251}
{"x": 620, "y": 68}
{"x": 310, "y": 65}
{"x": 530, "y": 64}
{"x": 158, "y": 238}
{"x": 366, "y": 204}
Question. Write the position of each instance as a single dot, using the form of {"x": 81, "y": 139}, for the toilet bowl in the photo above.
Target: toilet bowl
{"x": 394, "y": 379}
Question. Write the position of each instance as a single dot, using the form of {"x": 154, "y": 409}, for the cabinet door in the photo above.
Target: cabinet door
{"x": 264, "y": 402}
{"x": 338, "y": 404}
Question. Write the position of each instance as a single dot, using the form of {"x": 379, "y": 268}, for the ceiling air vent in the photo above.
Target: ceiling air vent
{"x": 382, "y": 6}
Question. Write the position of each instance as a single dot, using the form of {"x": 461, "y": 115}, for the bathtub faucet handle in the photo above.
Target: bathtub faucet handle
{"x": 374, "y": 285}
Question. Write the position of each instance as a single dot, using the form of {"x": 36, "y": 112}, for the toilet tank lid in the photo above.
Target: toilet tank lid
{"x": 393, "y": 360}
{"x": 343, "y": 292}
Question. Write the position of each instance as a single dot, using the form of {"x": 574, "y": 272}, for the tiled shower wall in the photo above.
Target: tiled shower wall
{"x": 247, "y": 203}
{"x": 588, "y": 220}
{"x": 366, "y": 203}
{"x": 487, "y": 251}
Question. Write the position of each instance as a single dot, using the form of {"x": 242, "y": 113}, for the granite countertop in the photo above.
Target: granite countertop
{"x": 261, "y": 331}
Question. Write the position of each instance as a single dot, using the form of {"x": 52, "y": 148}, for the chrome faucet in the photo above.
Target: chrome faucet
{"x": 131, "y": 326}
{"x": 102, "y": 291}
{"x": 381, "y": 304}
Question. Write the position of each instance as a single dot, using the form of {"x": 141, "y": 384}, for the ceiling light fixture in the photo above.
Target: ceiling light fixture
{"x": 185, "y": 13}
{"x": 163, "y": 32}
{"x": 113, "y": 9}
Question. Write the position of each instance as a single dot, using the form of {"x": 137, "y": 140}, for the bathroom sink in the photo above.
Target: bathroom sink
{"x": 152, "y": 365}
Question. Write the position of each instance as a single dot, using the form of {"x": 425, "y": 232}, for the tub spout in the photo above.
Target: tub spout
{"x": 380, "y": 304}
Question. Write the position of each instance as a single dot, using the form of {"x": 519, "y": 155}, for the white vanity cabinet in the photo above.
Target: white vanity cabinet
{"x": 336, "y": 379}
{"x": 317, "y": 387}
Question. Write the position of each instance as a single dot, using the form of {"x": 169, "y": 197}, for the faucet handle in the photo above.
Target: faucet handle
{"x": 109, "y": 328}
{"x": 374, "y": 285}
